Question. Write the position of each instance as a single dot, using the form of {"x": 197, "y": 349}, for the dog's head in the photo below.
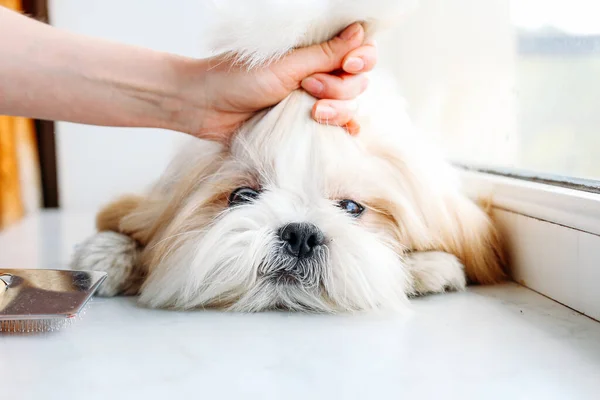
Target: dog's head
{"x": 302, "y": 216}
{"x": 296, "y": 214}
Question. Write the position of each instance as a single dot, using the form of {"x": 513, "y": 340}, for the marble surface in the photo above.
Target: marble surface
{"x": 502, "y": 342}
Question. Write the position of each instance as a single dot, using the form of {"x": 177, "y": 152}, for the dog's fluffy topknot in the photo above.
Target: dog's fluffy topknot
{"x": 259, "y": 31}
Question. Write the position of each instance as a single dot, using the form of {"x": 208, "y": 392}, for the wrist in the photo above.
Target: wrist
{"x": 184, "y": 103}
{"x": 194, "y": 104}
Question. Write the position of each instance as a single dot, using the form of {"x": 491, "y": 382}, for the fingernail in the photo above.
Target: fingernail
{"x": 352, "y": 127}
{"x": 353, "y": 64}
{"x": 350, "y": 31}
{"x": 312, "y": 85}
{"x": 325, "y": 112}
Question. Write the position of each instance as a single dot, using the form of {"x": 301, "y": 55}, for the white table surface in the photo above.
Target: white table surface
{"x": 503, "y": 342}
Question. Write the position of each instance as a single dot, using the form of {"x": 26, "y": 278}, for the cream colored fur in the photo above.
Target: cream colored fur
{"x": 419, "y": 234}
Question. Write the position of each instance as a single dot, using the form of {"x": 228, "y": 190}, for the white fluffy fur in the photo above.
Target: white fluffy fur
{"x": 200, "y": 253}
{"x": 258, "y": 31}
{"x": 119, "y": 266}
{"x": 435, "y": 272}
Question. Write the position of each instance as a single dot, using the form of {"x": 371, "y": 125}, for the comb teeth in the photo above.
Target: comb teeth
{"x": 34, "y": 326}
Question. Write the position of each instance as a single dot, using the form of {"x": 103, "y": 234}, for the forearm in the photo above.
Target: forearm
{"x": 50, "y": 74}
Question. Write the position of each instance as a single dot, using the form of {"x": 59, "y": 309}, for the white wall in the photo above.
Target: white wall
{"x": 95, "y": 164}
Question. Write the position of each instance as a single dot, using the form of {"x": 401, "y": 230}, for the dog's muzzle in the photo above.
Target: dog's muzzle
{"x": 300, "y": 258}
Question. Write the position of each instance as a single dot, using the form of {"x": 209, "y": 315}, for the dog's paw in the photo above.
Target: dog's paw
{"x": 109, "y": 252}
{"x": 435, "y": 272}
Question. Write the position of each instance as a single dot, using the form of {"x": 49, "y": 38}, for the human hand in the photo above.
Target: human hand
{"x": 93, "y": 81}
{"x": 331, "y": 71}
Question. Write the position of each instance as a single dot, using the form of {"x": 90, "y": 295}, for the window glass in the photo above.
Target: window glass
{"x": 504, "y": 83}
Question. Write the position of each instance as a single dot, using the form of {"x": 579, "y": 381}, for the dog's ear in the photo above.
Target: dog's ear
{"x": 428, "y": 212}
{"x": 130, "y": 215}
{"x": 471, "y": 235}
{"x": 142, "y": 217}
{"x": 125, "y": 227}
{"x": 452, "y": 224}
{"x": 128, "y": 224}
{"x": 110, "y": 216}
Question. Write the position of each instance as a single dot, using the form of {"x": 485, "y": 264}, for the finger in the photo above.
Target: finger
{"x": 342, "y": 87}
{"x": 334, "y": 112}
{"x": 324, "y": 57}
{"x": 352, "y": 127}
{"x": 362, "y": 59}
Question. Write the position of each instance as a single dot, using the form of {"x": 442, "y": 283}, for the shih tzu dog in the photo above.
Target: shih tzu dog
{"x": 295, "y": 214}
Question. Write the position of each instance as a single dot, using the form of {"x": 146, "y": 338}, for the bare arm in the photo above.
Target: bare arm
{"x": 48, "y": 73}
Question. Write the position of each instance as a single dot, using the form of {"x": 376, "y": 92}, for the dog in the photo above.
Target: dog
{"x": 294, "y": 214}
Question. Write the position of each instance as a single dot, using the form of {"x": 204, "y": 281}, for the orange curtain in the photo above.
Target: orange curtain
{"x": 19, "y": 165}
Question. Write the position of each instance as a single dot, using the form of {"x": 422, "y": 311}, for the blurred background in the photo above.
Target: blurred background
{"x": 505, "y": 84}
{"x": 509, "y": 84}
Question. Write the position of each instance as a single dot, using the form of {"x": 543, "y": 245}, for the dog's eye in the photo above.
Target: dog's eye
{"x": 242, "y": 195}
{"x": 351, "y": 207}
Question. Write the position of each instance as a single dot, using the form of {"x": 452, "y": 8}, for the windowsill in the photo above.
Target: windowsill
{"x": 553, "y": 236}
{"x": 559, "y": 205}
{"x": 501, "y": 342}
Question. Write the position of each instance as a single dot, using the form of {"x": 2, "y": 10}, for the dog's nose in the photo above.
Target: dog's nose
{"x": 300, "y": 239}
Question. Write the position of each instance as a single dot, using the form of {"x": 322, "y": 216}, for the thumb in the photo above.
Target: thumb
{"x": 323, "y": 57}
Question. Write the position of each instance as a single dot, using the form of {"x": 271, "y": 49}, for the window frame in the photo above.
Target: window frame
{"x": 566, "y": 206}
{"x": 552, "y": 234}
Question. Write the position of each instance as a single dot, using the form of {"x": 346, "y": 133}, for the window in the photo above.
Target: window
{"x": 512, "y": 85}
{"x": 558, "y": 86}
